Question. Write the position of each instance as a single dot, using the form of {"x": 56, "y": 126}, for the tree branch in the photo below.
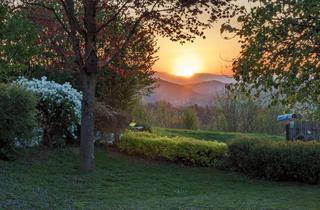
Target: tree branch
{"x": 68, "y": 6}
{"x": 52, "y": 10}
{"x": 127, "y": 40}
{"x": 74, "y": 27}
{"x": 113, "y": 17}
{"x": 131, "y": 32}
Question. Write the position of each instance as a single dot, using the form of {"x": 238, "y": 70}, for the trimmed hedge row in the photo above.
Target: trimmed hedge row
{"x": 299, "y": 161}
{"x": 177, "y": 149}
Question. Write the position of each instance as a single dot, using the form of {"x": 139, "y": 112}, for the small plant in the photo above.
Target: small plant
{"x": 17, "y": 119}
{"x": 59, "y": 107}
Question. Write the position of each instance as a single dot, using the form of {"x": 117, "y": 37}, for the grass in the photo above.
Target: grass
{"x": 215, "y": 135}
{"x": 50, "y": 179}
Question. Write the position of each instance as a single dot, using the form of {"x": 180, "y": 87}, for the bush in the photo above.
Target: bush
{"x": 17, "y": 119}
{"x": 298, "y": 161}
{"x": 59, "y": 107}
{"x": 109, "y": 121}
{"x": 177, "y": 149}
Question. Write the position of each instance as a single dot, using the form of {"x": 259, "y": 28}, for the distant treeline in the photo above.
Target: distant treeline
{"x": 229, "y": 112}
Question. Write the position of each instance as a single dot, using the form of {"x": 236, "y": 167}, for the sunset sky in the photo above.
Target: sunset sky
{"x": 211, "y": 55}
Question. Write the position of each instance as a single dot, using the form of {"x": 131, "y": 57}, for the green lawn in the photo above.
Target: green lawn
{"x": 214, "y": 135}
{"x": 50, "y": 180}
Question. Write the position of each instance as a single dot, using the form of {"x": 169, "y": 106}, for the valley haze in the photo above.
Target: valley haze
{"x": 199, "y": 89}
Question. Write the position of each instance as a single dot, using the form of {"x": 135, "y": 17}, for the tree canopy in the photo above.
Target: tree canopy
{"x": 17, "y": 38}
{"x": 280, "y": 49}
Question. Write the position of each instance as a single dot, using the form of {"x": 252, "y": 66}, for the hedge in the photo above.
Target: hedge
{"x": 177, "y": 149}
{"x": 281, "y": 161}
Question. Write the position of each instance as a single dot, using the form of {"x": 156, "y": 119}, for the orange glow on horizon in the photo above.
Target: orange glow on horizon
{"x": 215, "y": 54}
{"x": 187, "y": 65}
{"x": 212, "y": 55}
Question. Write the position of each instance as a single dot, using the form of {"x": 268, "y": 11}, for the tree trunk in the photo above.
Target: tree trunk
{"x": 117, "y": 133}
{"x": 87, "y": 122}
{"x": 89, "y": 77}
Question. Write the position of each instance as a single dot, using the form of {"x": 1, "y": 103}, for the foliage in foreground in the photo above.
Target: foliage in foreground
{"x": 178, "y": 149}
{"x": 17, "y": 119}
{"x": 281, "y": 161}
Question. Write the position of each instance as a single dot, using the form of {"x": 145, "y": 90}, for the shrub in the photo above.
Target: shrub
{"x": 298, "y": 161}
{"x": 59, "y": 107}
{"x": 17, "y": 119}
{"x": 109, "y": 121}
{"x": 177, "y": 149}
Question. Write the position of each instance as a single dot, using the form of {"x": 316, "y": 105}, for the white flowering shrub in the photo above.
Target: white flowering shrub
{"x": 59, "y": 108}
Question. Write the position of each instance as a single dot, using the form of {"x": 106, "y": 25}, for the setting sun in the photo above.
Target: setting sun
{"x": 187, "y": 65}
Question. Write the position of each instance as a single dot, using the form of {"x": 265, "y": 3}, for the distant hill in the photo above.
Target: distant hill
{"x": 197, "y": 78}
{"x": 187, "y": 92}
{"x": 177, "y": 95}
{"x": 212, "y": 87}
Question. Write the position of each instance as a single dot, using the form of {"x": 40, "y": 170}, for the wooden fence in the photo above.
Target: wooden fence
{"x": 304, "y": 131}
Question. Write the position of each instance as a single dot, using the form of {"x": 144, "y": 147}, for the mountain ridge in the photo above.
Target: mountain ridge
{"x": 196, "y": 78}
{"x": 197, "y": 90}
